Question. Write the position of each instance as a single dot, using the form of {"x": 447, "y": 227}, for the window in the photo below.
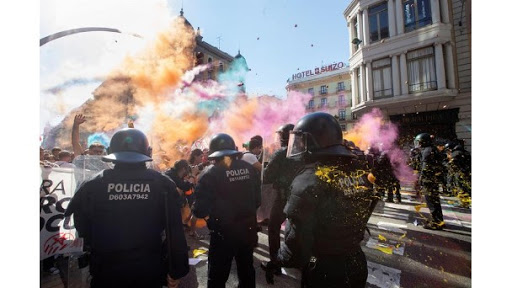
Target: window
{"x": 378, "y": 18}
{"x": 342, "y": 101}
{"x": 199, "y": 58}
{"x": 382, "y": 83}
{"x": 323, "y": 89}
{"x": 421, "y": 70}
{"x": 358, "y": 88}
{"x": 342, "y": 114}
{"x": 221, "y": 67}
{"x": 311, "y": 91}
{"x": 343, "y": 127}
{"x": 311, "y": 104}
{"x": 323, "y": 102}
{"x": 341, "y": 86}
{"x": 355, "y": 33}
{"x": 210, "y": 75}
{"x": 209, "y": 60}
{"x": 416, "y": 14}
{"x": 354, "y": 116}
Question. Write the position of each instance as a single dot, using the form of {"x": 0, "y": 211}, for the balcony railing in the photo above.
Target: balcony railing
{"x": 423, "y": 86}
{"x": 385, "y": 93}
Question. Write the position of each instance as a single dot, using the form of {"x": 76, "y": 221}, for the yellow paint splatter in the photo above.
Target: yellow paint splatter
{"x": 382, "y": 238}
{"x": 198, "y": 252}
{"x": 419, "y": 206}
{"x": 403, "y": 236}
{"x": 387, "y": 250}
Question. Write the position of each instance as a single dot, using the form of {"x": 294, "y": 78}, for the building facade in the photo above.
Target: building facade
{"x": 412, "y": 60}
{"x": 205, "y": 53}
{"x": 330, "y": 88}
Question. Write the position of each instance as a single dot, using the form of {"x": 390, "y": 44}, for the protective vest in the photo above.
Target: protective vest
{"x": 121, "y": 215}
{"x": 431, "y": 166}
{"x": 230, "y": 196}
{"x": 328, "y": 209}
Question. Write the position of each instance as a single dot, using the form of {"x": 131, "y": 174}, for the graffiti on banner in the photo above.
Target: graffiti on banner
{"x": 57, "y": 234}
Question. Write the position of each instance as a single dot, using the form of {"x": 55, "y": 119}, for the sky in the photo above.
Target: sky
{"x": 277, "y": 38}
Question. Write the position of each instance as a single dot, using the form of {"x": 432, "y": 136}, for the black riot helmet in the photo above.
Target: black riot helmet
{"x": 422, "y": 140}
{"x": 317, "y": 134}
{"x": 222, "y": 145}
{"x": 449, "y": 146}
{"x": 284, "y": 133}
{"x": 459, "y": 145}
{"x": 128, "y": 145}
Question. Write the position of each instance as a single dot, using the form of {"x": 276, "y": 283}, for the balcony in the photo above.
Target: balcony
{"x": 341, "y": 104}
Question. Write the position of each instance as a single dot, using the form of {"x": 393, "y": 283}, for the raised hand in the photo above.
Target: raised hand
{"x": 79, "y": 119}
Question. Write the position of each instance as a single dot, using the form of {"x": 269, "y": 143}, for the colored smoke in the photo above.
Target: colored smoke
{"x": 373, "y": 130}
{"x": 156, "y": 90}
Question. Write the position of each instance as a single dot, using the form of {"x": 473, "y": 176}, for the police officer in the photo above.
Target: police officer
{"x": 279, "y": 172}
{"x": 460, "y": 165}
{"x": 121, "y": 214}
{"x": 227, "y": 196}
{"x": 430, "y": 168}
{"x": 385, "y": 177}
{"x": 328, "y": 209}
{"x": 448, "y": 147}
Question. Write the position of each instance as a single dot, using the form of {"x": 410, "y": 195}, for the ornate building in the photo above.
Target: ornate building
{"x": 412, "y": 59}
{"x": 330, "y": 89}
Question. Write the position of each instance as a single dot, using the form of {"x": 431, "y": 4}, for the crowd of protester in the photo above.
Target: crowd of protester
{"x": 447, "y": 166}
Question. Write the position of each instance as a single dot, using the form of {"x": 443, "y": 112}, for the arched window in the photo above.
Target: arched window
{"x": 199, "y": 58}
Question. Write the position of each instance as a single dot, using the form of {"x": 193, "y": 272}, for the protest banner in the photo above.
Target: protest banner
{"x": 56, "y": 235}
{"x": 58, "y": 185}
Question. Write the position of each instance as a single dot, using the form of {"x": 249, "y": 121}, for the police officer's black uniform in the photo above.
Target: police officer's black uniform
{"x": 385, "y": 177}
{"x": 228, "y": 194}
{"x": 430, "y": 168}
{"x": 329, "y": 206}
{"x": 460, "y": 167}
{"x": 279, "y": 172}
{"x": 121, "y": 215}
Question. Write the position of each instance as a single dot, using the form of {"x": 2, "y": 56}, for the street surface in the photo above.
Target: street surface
{"x": 399, "y": 253}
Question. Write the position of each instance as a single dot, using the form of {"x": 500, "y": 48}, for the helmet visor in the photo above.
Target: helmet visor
{"x": 297, "y": 144}
{"x": 417, "y": 143}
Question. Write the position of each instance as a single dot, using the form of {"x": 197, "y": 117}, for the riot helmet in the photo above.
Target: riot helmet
{"x": 128, "y": 145}
{"x": 222, "y": 145}
{"x": 422, "y": 140}
{"x": 459, "y": 145}
{"x": 449, "y": 146}
{"x": 317, "y": 134}
{"x": 284, "y": 133}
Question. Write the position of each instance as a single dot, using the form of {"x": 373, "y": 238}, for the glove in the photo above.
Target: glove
{"x": 269, "y": 269}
